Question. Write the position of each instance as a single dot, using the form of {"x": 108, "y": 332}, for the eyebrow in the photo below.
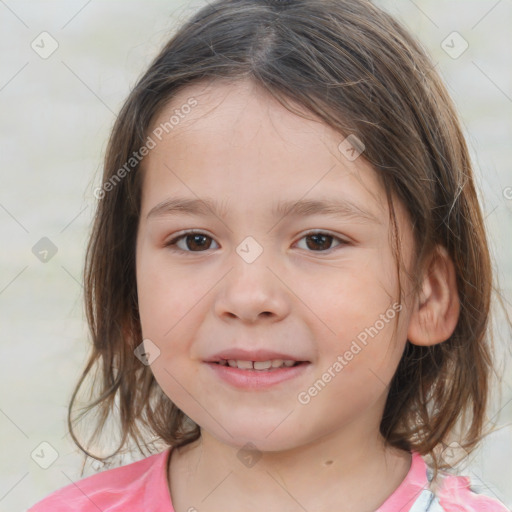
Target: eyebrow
{"x": 205, "y": 207}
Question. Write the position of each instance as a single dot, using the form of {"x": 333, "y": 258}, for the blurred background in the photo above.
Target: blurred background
{"x": 67, "y": 67}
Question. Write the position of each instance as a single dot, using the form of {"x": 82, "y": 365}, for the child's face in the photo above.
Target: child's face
{"x": 254, "y": 281}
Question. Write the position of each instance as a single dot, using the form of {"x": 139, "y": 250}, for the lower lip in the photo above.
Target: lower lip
{"x": 257, "y": 379}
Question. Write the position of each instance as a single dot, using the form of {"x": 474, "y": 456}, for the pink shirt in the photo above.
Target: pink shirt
{"x": 142, "y": 486}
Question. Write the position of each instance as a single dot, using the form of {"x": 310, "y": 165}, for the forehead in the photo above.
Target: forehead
{"x": 243, "y": 103}
{"x": 226, "y": 133}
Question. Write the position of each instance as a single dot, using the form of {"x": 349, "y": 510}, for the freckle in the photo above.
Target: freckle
{"x": 328, "y": 462}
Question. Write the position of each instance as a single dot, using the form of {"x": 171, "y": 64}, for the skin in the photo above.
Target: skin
{"x": 242, "y": 148}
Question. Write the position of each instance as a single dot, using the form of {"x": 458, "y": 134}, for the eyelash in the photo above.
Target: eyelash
{"x": 172, "y": 244}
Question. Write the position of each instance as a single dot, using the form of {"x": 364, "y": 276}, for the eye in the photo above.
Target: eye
{"x": 196, "y": 241}
{"x": 318, "y": 241}
{"x": 193, "y": 241}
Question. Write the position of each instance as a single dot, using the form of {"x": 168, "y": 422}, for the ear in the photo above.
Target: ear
{"x": 436, "y": 310}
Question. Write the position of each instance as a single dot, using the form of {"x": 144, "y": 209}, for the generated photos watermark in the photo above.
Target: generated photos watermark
{"x": 357, "y": 345}
{"x": 151, "y": 142}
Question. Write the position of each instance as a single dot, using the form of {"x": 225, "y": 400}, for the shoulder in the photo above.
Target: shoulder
{"x": 134, "y": 486}
{"x": 448, "y": 493}
{"x": 457, "y": 494}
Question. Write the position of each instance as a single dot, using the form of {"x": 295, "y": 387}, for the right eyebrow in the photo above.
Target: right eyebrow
{"x": 182, "y": 205}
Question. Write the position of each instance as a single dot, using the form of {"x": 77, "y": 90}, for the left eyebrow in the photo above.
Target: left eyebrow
{"x": 338, "y": 207}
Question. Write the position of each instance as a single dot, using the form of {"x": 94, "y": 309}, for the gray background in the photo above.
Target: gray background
{"x": 56, "y": 114}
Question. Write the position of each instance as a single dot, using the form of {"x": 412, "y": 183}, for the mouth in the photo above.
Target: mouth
{"x": 260, "y": 366}
{"x": 250, "y": 375}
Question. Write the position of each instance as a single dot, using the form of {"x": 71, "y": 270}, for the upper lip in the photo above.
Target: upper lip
{"x": 240, "y": 354}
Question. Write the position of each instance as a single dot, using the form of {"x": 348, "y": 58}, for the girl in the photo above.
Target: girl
{"x": 288, "y": 282}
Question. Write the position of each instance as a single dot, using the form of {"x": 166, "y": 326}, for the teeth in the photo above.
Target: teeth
{"x": 262, "y": 365}
{"x": 258, "y": 365}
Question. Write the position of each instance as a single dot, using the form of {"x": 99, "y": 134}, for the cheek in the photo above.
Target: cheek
{"x": 356, "y": 296}
{"x": 361, "y": 310}
{"x": 166, "y": 308}
{"x": 165, "y": 295}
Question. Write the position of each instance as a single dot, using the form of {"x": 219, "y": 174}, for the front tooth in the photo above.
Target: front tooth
{"x": 288, "y": 362}
{"x": 232, "y": 363}
{"x": 262, "y": 365}
{"x": 245, "y": 365}
{"x": 276, "y": 363}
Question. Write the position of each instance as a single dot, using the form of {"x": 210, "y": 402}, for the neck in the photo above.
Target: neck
{"x": 353, "y": 472}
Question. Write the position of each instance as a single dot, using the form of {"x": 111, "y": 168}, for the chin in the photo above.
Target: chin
{"x": 264, "y": 437}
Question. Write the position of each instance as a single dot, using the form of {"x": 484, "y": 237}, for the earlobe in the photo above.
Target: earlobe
{"x": 436, "y": 310}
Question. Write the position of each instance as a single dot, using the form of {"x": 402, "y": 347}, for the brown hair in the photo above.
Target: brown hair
{"x": 358, "y": 70}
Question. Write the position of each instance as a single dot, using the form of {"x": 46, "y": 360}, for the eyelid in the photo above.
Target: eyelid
{"x": 176, "y": 237}
{"x": 342, "y": 240}
{"x": 325, "y": 232}
{"x": 181, "y": 234}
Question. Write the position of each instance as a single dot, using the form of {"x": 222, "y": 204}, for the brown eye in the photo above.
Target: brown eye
{"x": 320, "y": 242}
{"x": 191, "y": 242}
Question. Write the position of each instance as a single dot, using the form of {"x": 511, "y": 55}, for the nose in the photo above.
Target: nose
{"x": 251, "y": 291}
